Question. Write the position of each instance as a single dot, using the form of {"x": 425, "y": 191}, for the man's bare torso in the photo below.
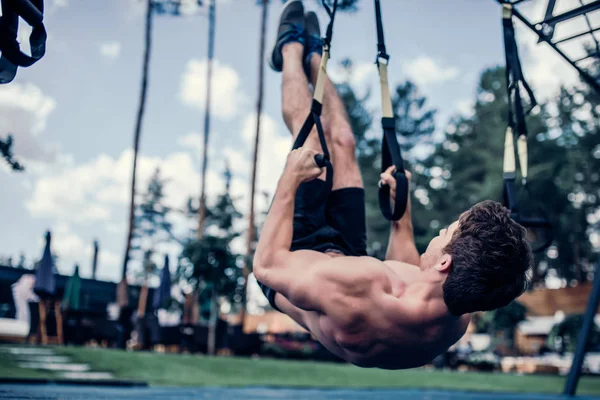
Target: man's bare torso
{"x": 383, "y": 335}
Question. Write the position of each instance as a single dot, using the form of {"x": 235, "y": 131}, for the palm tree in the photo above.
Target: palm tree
{"x": 251, "y": 236}
{"x": 211, "y": 51}
{"x": 136, "y": 140}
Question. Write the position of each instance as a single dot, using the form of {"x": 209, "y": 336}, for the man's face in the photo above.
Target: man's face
{"x": 436, "y": 247}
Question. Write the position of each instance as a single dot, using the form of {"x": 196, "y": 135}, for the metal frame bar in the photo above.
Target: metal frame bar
{"x": 572, "y": 13}
{"x": 589, "y": 79}
{"x": 594, "y": 54}
{"x": 584, "y": 335}
{"x": 577, "y": 36}
{"x": 548, "y": 15}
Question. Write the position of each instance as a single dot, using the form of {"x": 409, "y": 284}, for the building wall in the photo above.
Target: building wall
{"x": 95, "y": 294}
{"x": 570, "y": 300}
{"x": 529, "y": 344}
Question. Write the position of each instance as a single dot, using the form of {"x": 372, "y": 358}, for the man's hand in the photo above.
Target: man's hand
{"x": 301, "y": 165}
{"x": 401, "y": 246}
{"x": 388, "y": 179}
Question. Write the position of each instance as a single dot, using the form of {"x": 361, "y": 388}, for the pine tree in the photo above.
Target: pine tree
{"x": 152, "y": 225}
{"x": 212, "y": 266}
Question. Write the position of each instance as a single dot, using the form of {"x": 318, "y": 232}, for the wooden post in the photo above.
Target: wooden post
{"x": 59, "y": 322}
{"x": 142, "y": 301}
{"x": 42, "y": 327}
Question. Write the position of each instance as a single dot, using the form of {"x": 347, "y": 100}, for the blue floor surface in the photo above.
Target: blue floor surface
{"x": 56, "y": 392}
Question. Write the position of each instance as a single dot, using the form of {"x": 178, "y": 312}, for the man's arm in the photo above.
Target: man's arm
{"x": 401, "y": 246}
{"x": 274, "y": 264}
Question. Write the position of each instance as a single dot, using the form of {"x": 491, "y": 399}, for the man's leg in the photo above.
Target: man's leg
{"x": 296, "y": 95}
{"x": 336, "y": 125}
{"x": 345, "y": 209}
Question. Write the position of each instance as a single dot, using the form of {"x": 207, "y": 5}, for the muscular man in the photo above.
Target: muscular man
{"x": 311, "y": 260}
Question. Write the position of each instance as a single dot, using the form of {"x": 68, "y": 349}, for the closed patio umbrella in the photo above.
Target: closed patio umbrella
{"x": 72, "y": 294}
{"x": 45, "y": 281}
{"x": 163, "y": 293}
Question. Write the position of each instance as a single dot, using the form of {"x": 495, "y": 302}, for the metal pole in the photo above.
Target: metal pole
{"x": 584, "y": 335}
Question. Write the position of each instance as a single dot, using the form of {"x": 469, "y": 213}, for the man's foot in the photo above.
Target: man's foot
{"x": 291, "y": 29}
{"x": 314, "y": 42}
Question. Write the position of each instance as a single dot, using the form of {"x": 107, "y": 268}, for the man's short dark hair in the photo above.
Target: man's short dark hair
{"x": 490, "y": 259}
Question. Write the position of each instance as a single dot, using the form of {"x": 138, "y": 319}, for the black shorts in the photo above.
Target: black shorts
{"x": 338, "y": 225}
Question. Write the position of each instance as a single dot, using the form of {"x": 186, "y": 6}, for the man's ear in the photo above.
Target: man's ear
{"x": 444, "y": 264}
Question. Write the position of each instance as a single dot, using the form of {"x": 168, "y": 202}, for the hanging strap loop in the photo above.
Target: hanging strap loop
{"x": 515, "y": 80}
{"x": 316, "y": 108}
{"x": 12, "y": 57}
{"x": 540, "y": 224}
{"x": 390, "y": 149}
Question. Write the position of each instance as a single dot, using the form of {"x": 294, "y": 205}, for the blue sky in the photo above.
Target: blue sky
{"x": 73, "y": 113}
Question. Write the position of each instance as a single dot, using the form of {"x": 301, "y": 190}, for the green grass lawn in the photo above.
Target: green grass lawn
{"x": 10, "y": 369}
{"x": 192, "y": 370}
{"x": 184, "y": 370}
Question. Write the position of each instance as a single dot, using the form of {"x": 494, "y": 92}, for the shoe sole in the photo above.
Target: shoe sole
{"x": 283, "y": 8}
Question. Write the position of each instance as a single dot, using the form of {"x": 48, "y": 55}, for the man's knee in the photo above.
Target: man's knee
{"x": 343, "y": 139}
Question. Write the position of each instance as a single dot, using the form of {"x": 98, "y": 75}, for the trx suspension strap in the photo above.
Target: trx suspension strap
{"x": 537, "y": 226}
{"x": 314, "y": 118}
{"x": 390, "y": 149}
{"x": 32, "y": 11}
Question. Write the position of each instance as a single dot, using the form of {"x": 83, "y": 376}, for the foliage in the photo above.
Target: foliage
{"x": 172, "y": 7}
{"x": 209, "y": 263}
{"x": 503, "y": 320}
{"x": 415, "y": 127}
{"x": 343, "y": 5}
{"x": 483, "y": 361}
{"x": 152, "y": 225}
{"x": 466, "y": 167}
{"x": 7, "y": 154}
{"x": 563, "y": 336}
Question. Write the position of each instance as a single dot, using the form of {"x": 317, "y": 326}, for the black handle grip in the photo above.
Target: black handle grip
{"x": 320, "y": 160}
{"x": 31, "y": 13}
{"x": 402, "y": 189}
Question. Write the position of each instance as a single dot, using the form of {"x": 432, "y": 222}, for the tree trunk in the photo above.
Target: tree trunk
{"x": 211, "y": 51}
{"x": 251, "y": 225}
{"x": 212, "y": 323}
{"x": 95, "y": 259}
{"x": 138, "y": 129}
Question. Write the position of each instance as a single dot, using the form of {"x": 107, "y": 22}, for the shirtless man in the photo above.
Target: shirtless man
{"x": 312, "y": 262}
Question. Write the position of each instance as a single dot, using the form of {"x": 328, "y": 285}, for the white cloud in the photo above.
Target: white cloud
{"x": 190, "y": 7}
{"x": 465, "y": 107}
{"x": 24, "y": 111}
{"x": 73, "y": 249}
{"x": 360, "y": 74}
{"x": 192, "y": 141}
{"x": 95, "y": 195}
{"x": 110, "y": 50}
{"x": 425, "y": 71}
{"x": 87, "y": 192}
{"x": 226, "y": 98}
{"x": 273, "y": 150}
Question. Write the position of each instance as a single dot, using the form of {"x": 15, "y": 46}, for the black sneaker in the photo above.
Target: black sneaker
{"x": 314, "y": 42}
{"x": 291, "y": 29}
